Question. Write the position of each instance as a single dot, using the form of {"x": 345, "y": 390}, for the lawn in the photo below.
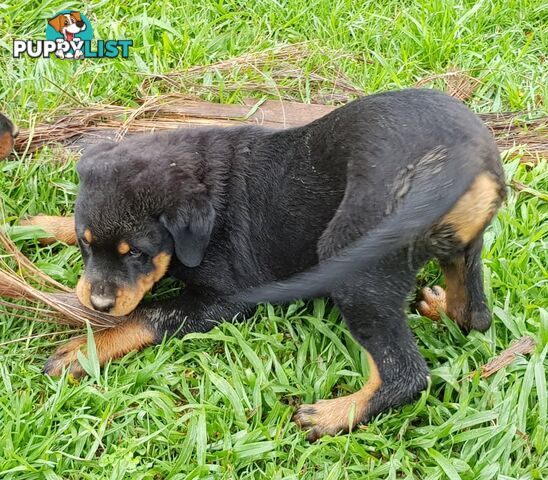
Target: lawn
{"x": 219, "y": 405}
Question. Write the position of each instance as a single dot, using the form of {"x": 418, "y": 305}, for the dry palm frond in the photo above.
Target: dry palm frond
{"x": 262, "y": 73}
{"x": 24, "y": 264}
{"x": 514, "y": 129}
{"x": 58, "y": 305}
{"x": 458, "y": 83}
{"x": 99, "y": 122}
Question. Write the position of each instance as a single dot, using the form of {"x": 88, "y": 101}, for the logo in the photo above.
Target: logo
{"x": 69, "y": 35}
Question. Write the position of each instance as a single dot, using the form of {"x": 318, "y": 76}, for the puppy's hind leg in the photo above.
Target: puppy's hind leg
{"x": 372, "y": 303}
{"x": 464, "y": 298}
{"x": 60, "y": 229}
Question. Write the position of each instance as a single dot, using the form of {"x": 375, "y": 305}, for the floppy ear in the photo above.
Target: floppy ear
{"x": 76, "y": 16}
{"x": 57, "y": 22}
{"x": 191, "y": 228}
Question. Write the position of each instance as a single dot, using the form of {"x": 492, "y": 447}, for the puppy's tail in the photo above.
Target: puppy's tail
{"x": 426, "y": 191}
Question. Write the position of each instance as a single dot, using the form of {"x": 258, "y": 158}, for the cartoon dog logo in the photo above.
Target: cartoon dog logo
{"x": 69, "y": 25}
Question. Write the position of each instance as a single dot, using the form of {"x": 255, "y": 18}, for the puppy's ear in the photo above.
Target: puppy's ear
{"x": 57, "y": 22}
{"x": 191, "y": 228}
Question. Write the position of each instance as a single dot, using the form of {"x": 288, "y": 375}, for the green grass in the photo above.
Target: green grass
{"x": 219, "y": 405}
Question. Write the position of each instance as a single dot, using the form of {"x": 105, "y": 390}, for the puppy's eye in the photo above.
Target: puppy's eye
{"x": 134, "y": 252}
{"x": 84, "y": 242}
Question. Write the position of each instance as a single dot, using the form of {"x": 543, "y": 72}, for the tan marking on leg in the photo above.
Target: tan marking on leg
{"x": 474, "y": 209}
{"x": 61, "y": 229}
{"x": 329, "y": 417}
{"x": 88, "y": 236}
{"x": 123, "y": 247}
{"x": 457, "y": 297}
{"x": 453, "y": 301}
{"x": 110, "y": 343}
{"x": 6, "y": 144}
{"x": 433, "y": 301}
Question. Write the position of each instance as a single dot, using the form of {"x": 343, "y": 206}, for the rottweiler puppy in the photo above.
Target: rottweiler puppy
{"x": 8, "y": 133}
{"x": 350, "y": 206}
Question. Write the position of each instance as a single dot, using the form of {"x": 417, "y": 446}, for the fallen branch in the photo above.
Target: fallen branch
{"x": 520, "y": 347}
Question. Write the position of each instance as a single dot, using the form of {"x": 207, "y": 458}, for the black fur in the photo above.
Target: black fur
{"x": 347, "y": 206}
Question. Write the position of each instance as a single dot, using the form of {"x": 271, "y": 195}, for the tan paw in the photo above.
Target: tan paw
{"x": 433, "y": 300}
{"x": 327, "y": 417}
{"x": 66, "y": 358}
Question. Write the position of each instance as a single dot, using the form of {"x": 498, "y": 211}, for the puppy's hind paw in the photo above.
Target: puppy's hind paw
{"x": 330, "y": 417}
{"x": 432, "y": 302}
{"x": 311, "y": 419}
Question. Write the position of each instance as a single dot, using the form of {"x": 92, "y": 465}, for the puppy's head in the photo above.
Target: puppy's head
{"x": 68, "y": 24}
{"x": 140, "y": 203}
{"x": 8, "y": 133}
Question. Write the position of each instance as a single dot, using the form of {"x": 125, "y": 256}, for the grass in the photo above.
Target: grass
{"x": 219, "y": 405}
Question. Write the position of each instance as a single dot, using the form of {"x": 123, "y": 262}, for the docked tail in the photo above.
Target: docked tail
{"x": 436, "y": 183}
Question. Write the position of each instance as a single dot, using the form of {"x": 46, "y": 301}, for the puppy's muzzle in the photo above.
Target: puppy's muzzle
{"x": 102, "y": 303}
{"x": 103, "y": 296}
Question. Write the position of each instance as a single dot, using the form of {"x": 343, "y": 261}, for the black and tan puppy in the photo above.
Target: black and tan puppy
{"x": 8, "y": 133}
{"x": 349, "y": 206}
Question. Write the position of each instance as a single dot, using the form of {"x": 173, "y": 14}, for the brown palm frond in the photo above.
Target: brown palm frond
{"x": 99, "y": 122}
{"x": 44, "y": 298}
{"x": 458, "y": 83}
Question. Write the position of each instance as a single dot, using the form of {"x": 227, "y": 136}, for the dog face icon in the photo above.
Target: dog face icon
{"x": 68, "y": 25}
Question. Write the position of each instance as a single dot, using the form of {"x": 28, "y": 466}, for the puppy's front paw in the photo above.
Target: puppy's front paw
{"x": 330, "y": 417}
{"x": 433, "y": 301}
{"x": 66, "y": 358}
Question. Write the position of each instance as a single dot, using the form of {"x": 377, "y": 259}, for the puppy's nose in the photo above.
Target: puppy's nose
{"x": 102, "y": 303}
{"x": 80, "y": 23}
